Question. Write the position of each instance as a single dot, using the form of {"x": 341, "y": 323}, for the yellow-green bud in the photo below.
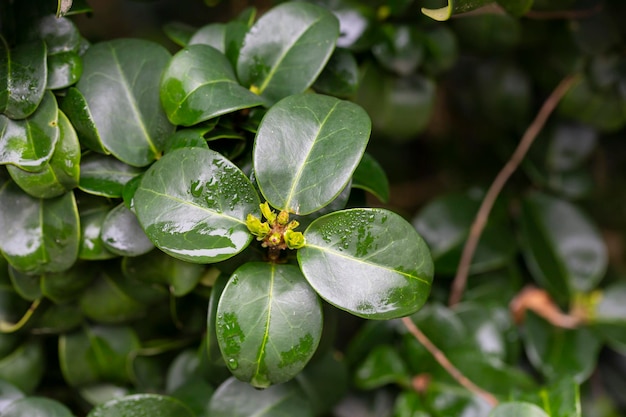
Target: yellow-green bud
{"x": 267, "y": 212}
{"x": 274, "y": 239}
{"x": 292, "y": 225}
{"x": 294, "y": 240}
{"x": 256, "y": 90}
{"x": 256, "y": 227}
{"x": 283, "y": 218}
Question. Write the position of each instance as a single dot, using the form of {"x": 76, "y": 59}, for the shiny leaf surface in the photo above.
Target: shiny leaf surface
{"x": 199, "y": 84}
{"x": 276, "y": 57}
{"x": 122, "y": 234}
{"x": 39, "y": 235}
{"x": 64, "y": 70}
{"x": 91, "y": 246}
{"x": 147, "y": 404}
{"x": 269, "y": 323}
{"x": 197, "y": 215}
{"x": 36, "y": 407}
{"x": 104, "y": 175}
{"x": 8, "y": 394}
{"x": 369, "y": 262}
{"x": 77, "y": 110}
{"x": 517, "y": 409}
{"x": 121, "y": 80}
{"x": 371, "y": 177}
{"x": 306, "y": 150}
{"x": 340, "y": 76}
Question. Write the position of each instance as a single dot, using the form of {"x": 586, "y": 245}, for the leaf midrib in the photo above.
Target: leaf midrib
{"x": 261, "y": 353}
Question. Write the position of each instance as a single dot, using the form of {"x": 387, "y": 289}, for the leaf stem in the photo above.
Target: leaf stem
{"x": 480, "y": 221}
{"x": 441, "y": 358}
{"x": 7, "y": 327}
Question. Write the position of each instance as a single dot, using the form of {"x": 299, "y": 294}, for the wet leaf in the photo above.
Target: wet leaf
{"x": 340, "y": 76}
{"x": 197, "y": 215}
{"x": 269, "y": 323}
{"x": 518, "y": 409}
{"x": 77, "y": 110}
{"x": 369, "y": 262}
{"x": 371, "y": 177}
{"x": 36, "y": 407}
{"x": 121, "y": 80}
{"x": 276, "y": 58}
{"x": 64, "y": 70}
{"x": 39, "y": 235}
{"x": 8, "y": 394}
{"x": 212, "y": 34}
{"x": 199, "y": 84}
{"x": 122, "y": 234}
{"x": 91, "y": 246}
{"x": 148, "y": 404}
{"x": 306, "y": 150}
{"x": 105, "y": 175}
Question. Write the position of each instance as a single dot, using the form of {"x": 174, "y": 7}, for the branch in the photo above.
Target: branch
{"x": 460, "y": 280}
{"x": 441, "y": 358}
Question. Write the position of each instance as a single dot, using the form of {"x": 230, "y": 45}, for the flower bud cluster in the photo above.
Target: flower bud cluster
{"x": 277, "y": 232}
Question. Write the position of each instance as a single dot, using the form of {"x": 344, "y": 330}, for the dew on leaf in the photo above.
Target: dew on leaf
{"x": 233, "y": 364}
{"x": 196, "y": 188}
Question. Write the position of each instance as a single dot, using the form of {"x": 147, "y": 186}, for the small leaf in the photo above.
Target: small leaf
{"x": 8, "y": 394}
{"x": 277, "y": 59}
{"x": 27, "y": 286}
{"x": 269, "y": 323}
{"x": 212, "y": 35}
{"x": 122, "y": 234}
{"x": 454, "y": 7}
{"x": 59, "y": 34}
{"x": 197, "y": 215}
{"x": 35, "y": 407}
{"x": 306, "y": 150}
{"x": 29, "y": 143}
{"x": 369, "y": 262}
{"x": 77, "y": 110}
{"x": 340, "y": 76}
{"x": 66, "y": 286}
{"x": 179, "y": 32}
{"x": 237, "y": 399}
{"x": 60, "y": 174}
{"x": 121, "y": 80}
{"x": 381, "y": 367}
{"x": 104, "y": 175}
{"x": 39, "y": 235}
{"x": 63, "y": 7}
{"x": 371, "y": 177}
{"x": 64, "y": 70}
{"x": 517, "y": 409}
{"x": 152, "y": 405}
{"x": 91, "y": 246}
{"x": 199, "y": 84}
{"x": 24, "y": 367}
{"x": 25, "y": 80}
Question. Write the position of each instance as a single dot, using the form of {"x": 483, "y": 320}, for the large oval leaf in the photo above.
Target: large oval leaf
{"x": 369, "y": 262}
{"x": 193, "y": 203}
{"x": 284, "y": 52}
{"x": 563, "y": 249}
{"x": 199, "y": 83}
{"x": 36, "y": 407}
{"x": 307, "y": 148}
{"x": 237, "y": 399}
{"x": 269, "y": 323}
{"x": 38, "y": 235}
{"x": 104, "y": 175}
{"x": 23, "y": 85}
{"x": 517, "y": 409}
{"x": 152, "y": 405}
{"x": 29, "y": 143}
{"x": 120, "y": 85}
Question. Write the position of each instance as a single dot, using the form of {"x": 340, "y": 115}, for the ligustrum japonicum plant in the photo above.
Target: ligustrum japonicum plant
{"x": 135, "y": 182}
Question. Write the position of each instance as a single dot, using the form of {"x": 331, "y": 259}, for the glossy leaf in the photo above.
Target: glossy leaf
{"x": 27, "y": 286}
{"x": 276, "y": 58}
{"x": 561, "y": 398}
{"x": 8, "y": 394}
{"x": 25, "y": 79}
{"x": 39, "y": 235}
{"x": 24, "y": 367}
{"x": 212, "y": 34}
{"x": 121, "y": 80}
{"x": 122, "y": 234}
{"x": 237, "y": 399}
{"x": 104, "y": 175}
{"x": 179, "y": 32}
{"x": 188, "y": 138}
{"x": 91, "y": 246}
{"x": 57, "y": 319}
{"x": 77, "y": 110}
{"x": 559, "y": 353}
{"x": 197, "y": 215}
{"x": 517, "y": 409}
{"x": 199, "y": 84}
{"x": 269, "y": 323}
{"x": 211, "y": 342}
{"x": 454, "y": 7}
{"x": 148, "y": 404}
{"x": 340, "y": 76}
{"x": 60, "y": 174}
{"x": 445, "y": 224}
{"x": 371, "y": 177}
{"x": 562, "y": 248}
{"x": 59, "y": 33}
{"x": 64, "y": 70}
{"x": 369, "y": 262}
{"x": 29, "y": 143}
{"x": 306, "y": 150}
{"x": 36, "y": 407}
{"x": 382, "y": 366}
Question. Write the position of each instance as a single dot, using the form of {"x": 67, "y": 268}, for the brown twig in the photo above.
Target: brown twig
{"x": 441, "y": 358}
{"x": 539, "y": 301}
{"x": 480, "y": 221}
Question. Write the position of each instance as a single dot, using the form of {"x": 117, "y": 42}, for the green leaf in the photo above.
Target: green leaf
{"x": 369, "y": 262}
{"x": 66, "y": 286}
{"x": 38, "y": 235}
{"x": 27, "y": 286}
{"x": 122, "y": 234}
{"x": 212, "y": 34}
{"x": 559, "y": 353}
{"x": 91, "y": 246}
{"x": 60, "y": 174}
{"x": 59, "y": 34}
{"x": 306, "y": 150}
{"x": 237, "y": 399}
{"x": 269, "y": 323}
{"x": 198, "y": 214}
{"x": 24, "y": 367}
{"x": 152, "y": 405}
{"x": 57, "y": 319}
{"x": 25, "y": 80}
{"x": 199, "y": 84}
{"x": 64, "y": 70}
{"x": 381, "y": 367}
{"x": 8, "y": 394}
{"x": 559, "y": 399}
{"x": 77, "y": 110}
{"x": 517, "y": 409}
{"x": 563, "y": 249}
{"x": 188, "y": 138}
{"x": 104, "y": 175}
{"x": 445, "y": 224}
{"x": 371, "y": 177}
{"x": 608, "y": 317}
{"x": 314, "y": 380}
{"x": 454, "y": 7}
{"x": 29, "y": 143}
{"x": 340, "y": 76}
{"x": 179, "y": 32}
{"x": 276, "y": 58}
{"x": 121, "y": 81}
{"x": 400, "y": 49}
{"x": 213, "y": 352}
{"x": 36, "y": 407}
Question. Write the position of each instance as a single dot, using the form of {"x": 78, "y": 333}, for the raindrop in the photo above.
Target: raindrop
{"x": 196, "y": 188}
{"x": 232, "y": 363}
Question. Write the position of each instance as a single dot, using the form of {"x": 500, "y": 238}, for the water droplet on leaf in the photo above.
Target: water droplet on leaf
{"x": 232, "y": 363}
